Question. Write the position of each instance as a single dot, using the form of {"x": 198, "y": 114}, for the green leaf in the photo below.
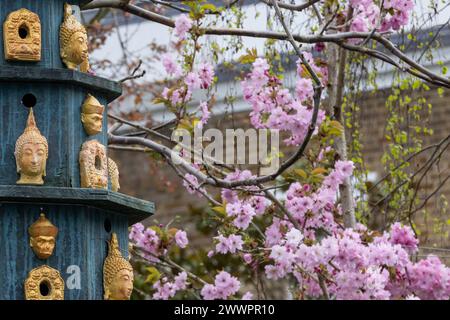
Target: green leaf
{"x": 301, "y": 173}
{"x": 250, "y": 57}
{"x": 153, "y": 275}
{"x": 416, "y": 84}
{"x": 336, "y": 128}
{"x": 158, "y": 100}
{"x": 317, "y": 171}
{"x": 210, "y": 7}
{"x": 220, "y": 210}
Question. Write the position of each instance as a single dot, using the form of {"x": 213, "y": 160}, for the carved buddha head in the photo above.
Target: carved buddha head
{"x": 73, "y": 41}
{"x": 117, "y": 273}
{"x": 92, "y": 115}
{"x": 93, "y": 165}
{"x": 31, "y": 154}
{"x": 42, "y": 237}
{"x": 114, "y": 175}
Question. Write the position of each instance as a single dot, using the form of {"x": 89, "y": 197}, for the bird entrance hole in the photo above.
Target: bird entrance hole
{"x": 44, "y": 288}
{"x": 23, "y": 31}
{"x": 107, "y": 225}
{"x": 98, "y": 163}
{"x": 29, "y": 100}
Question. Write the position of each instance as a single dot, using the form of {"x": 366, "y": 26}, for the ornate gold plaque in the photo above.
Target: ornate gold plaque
{"x": 31, "y": 154}
{"x": 93, "y": 165}
{"x": 22, "y": 36}
{"x": 44, "y": 283}
{"x": 117, "y": 273}
{"x": 42, "y": 237}
{"x": 73, "y": 42}
{"x": 113, "y": 175}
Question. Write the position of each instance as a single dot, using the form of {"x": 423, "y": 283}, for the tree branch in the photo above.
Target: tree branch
{"x": 411, "y": 67}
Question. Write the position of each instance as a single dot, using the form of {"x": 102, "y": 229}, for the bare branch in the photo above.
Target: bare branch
{"x": 292, "y": 7}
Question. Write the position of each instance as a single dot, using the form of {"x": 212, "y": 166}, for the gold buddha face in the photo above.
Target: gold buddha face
{"x": 43, "y": 246}
{"x": 121, "y": 286}
{"x": 117, "y": 273}
{"x": 77, "y": 50}
{"x": 31, "y": 154}
{"x": 73, "y": 42}
{"x": 32, "y": 162}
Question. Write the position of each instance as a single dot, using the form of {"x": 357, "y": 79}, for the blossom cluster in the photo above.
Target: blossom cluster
{"x": 230, "y": 244}
{"x": 225, "y": 285}
{"x": 358, "y": 268}
{"x": 182, "y": 25}
{"x": 314, "y": 210}
{"x": 147, "y": 239}
{"x": 190, "y": 78}
{"x": 151, "y": 244}
{"x": 192, "y": 185}
{"x": 242, "y": 209}
{"x": 274, "y": 107}
{"x": 367, "y": 15}
{"x": 166, "y": 289}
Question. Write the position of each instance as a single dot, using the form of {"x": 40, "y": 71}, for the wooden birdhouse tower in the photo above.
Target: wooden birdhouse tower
{"x": 63, "y": 225}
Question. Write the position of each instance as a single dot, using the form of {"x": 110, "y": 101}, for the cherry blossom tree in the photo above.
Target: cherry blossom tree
{"x": 314, "y": 236}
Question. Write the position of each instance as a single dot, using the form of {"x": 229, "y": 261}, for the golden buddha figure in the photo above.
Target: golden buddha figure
{"x": 113, "y": 175}
{"x": 73, "y": 42}
{"x": 31, "y": 154}
{"x": 92, "y": 115}
{"x": 43, "y": 237}
{"x": 117, "y": 273}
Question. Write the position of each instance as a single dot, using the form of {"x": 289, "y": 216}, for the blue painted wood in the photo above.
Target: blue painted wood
{"x": 104, "y": 87}
{"x": 57, "y": 113}
{"x": 134, "y": 209}
{"x": 81, "y": 242}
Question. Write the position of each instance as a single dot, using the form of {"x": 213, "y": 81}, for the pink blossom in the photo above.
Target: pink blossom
{"x": 181, "y": 281}
{"x": 359, "y": 25}
{"x": 206, "y": 114}
{"x": 209, "y": 292}
{"x": 136, "y": 232}
{"x": 304, "y": 89}
{"x": 247, "y": 258}
{"x": 206, "y": 74}
{"x": 191, "y": 184}
{"x": 170, "y": 65}
{"x": 181, "y": 239}
{"x": 224, "y": 286}
{"x": 193, "y": 81}
{"x": 223, "y": 245}
{"x": 344, "y": 168}
{"x": 247, "y": 296}
{"x": 231, "y": 244}
{"x": 182, "y": 25}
